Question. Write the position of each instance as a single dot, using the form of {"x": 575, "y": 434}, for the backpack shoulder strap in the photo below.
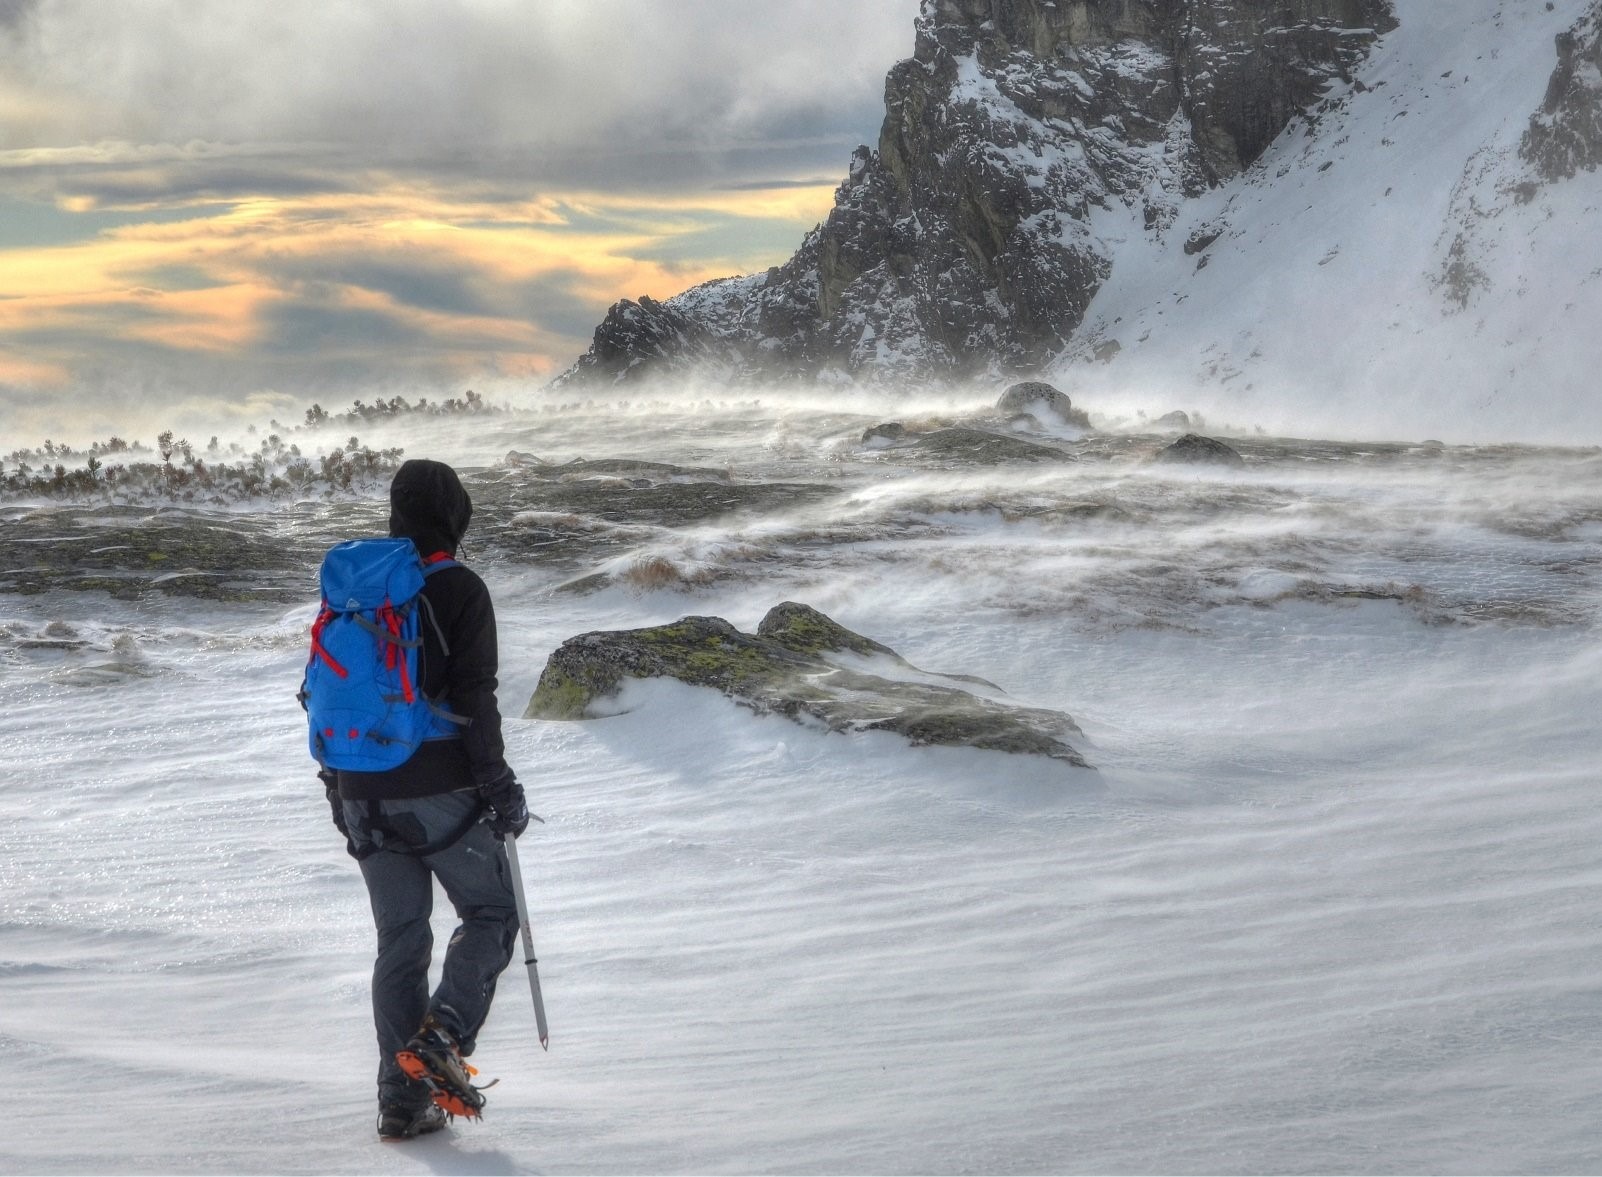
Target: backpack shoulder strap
{"x": 433, "y": 621}
{"x": 437, "y": 562}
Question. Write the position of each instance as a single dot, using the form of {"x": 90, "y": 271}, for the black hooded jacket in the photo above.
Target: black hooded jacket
{"x": 429, "y": 505}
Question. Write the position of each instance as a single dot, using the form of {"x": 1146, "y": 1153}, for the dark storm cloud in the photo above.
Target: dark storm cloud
{"x": 85, "y": 324}
{"x": 634, "y": 93}
{"x": 555, "y": 302}
{"x": 14, "y": 12}
{"x": 430, "y": 285}
{"x": 300, "y": 329}
{"x": 195, "y": 182}
{"x": 28, "y": 223}
{"x": 770, "y": 185}
{"x": 451, "y": 186}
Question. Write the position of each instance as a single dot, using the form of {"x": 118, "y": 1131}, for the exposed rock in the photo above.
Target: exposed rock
{"x": 1034, "y": 397}
{"x": 983, "y": 447}
{"x": 803, "y": 665}
{"x": 1176, "y": 422}
{"x": 1565, "y": 135}
{"x": 1026, "y": 395}
{"x": 639, "y": 340}
{"x": 629, "y": 468}
{"x": 1563, "y": 139}
{"x": 1194, "y": 449}
{"x": 804, "y": 630}
{"x": 962, "y": 247}
{"x": 133, "y": 552}
{"x": 889, "y": 431}
{"x": 1029, "y": 395}
{"x": 801, "y": 629}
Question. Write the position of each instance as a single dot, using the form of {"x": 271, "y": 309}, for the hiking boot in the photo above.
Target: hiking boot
{"x": 402, "y": 1123}
{"x": 432, "y": 1058}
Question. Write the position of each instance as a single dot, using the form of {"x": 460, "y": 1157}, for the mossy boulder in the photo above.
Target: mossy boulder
{"x": 806, "y": 666}
{"x": 801, "y": 629}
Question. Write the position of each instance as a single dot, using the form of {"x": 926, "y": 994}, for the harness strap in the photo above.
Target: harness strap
{"x": 393, "y": 842}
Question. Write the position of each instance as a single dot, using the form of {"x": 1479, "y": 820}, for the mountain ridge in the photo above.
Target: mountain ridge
{"x": 1037, "y": 159}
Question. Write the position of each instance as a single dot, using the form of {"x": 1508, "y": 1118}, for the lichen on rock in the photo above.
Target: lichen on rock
{"x": 806, "y": 666}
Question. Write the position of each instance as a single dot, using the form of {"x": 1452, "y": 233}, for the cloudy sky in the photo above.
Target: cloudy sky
{"x": 245, "y": 205}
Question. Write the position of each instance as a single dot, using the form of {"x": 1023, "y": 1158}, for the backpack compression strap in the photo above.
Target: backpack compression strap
{"x": 393, "y": 658}
{"x": 323, "y": 618}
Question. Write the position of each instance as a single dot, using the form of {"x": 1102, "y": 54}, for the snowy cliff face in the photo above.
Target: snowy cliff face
{"x": 1417, "y": 257}
{"x": 1335, "y": 215}
{"x": 966, "y": 244}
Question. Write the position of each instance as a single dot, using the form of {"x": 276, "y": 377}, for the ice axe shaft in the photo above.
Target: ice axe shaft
{"x": 528, "y": 944}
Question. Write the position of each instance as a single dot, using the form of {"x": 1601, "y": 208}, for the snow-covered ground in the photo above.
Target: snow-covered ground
{"x": 1324, "y": 304}
{"x": 1329, "y": 905}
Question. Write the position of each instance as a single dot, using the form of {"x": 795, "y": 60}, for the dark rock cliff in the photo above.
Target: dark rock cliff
{"x": 966, "y": 244}
{"x": 1565, "y": 136}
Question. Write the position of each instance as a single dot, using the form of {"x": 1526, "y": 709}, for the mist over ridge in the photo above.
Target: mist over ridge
{"x": 1371, "y": 222}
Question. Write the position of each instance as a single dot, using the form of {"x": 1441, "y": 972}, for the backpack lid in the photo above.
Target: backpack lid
{"x": 365, "y": 573}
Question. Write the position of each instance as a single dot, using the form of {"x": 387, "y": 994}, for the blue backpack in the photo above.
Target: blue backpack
{"x": 365, "y": 706}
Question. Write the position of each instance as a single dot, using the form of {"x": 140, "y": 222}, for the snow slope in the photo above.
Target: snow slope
{"x": 1328, "y": 906}
{"x": 1325, "y": 308}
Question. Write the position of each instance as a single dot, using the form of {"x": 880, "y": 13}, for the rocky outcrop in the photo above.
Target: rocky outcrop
{"x": 647, "y": 336}
{"x": 808, "y": 667}
{"x": 1037, "y": 399}
{"x": 1195, "y": 450}
{"x": 963, "y": 246}
{"x": 961, "y": 444}
{"x": 1563, "y": 140}
{"x": 888, "y": 432}
{"x": 1565, "y": 135}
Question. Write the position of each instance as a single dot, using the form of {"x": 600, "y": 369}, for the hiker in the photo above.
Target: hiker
{"x": 438, "y": 814}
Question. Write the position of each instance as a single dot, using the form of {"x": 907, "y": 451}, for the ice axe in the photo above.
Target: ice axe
{"x": 528, "y": 944}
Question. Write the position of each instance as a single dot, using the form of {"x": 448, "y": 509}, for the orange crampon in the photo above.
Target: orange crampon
{"x": 455, "y": 1096}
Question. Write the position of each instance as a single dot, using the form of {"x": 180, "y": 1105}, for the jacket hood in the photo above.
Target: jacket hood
{"x": 429, "y": 505}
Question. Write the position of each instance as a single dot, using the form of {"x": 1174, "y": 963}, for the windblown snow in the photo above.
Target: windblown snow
{"x": 1328, "y": 905}
{"x": 1388, "y": 268}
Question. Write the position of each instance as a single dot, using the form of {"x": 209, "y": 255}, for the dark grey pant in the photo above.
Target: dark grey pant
{"x": 400, "y": 885}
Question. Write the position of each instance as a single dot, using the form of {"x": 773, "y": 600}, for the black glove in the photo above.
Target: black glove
{"x": 335, "y": 805}
{"x": 508, "y": 811}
